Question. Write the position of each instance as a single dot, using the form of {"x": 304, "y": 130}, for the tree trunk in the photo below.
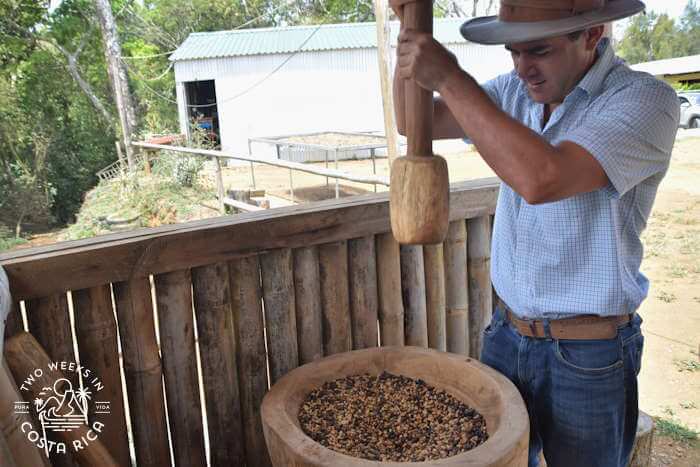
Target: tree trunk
{"x": 118, "y": 76}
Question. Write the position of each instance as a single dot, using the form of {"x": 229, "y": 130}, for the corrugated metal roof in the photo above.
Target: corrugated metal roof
{"x": 670, "y": 66}
{"x": 201, "y": 45}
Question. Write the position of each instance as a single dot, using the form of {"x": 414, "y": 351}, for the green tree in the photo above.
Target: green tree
{"x": 690, "y": 28}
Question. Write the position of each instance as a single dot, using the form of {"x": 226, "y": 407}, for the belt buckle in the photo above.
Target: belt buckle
{"x": 530, "y": 323}
{"x": 532, "y": 326}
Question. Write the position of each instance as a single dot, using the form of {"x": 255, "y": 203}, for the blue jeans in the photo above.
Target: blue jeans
{"x": 581, "y": 395}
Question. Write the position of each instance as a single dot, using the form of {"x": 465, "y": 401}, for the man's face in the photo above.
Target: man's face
{"x": 551, "y": 67}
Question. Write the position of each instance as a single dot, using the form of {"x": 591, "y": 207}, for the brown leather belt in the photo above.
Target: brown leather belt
{"x": 579, "y": 328}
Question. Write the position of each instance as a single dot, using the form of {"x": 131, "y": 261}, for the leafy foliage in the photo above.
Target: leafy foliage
{"x": 655, "y": 37}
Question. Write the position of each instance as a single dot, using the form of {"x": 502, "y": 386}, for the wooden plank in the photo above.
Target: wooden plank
{"x": 307, "y": 293}
{"x": 41, "y": 271}
{"x": 176, "y": 325}
{"x": 217, "y": 347}
{"x": 96, "y": 332}
{"x": 456, "y": 294}
{"x": 434, "y": 263}
{"x": 413, "y": 293}
{"x": 246, "y": 207}
{"x": 280, "y": 318}
{"x": 335, "y": 297}
{"x": 362, "y": 269}
{"x": 143, "y": 371}
{"x": 246, "y": 297}
{"x": 49, "y": 323}
{"x": 479, "y": 267}
{"x": 389, "y": 290}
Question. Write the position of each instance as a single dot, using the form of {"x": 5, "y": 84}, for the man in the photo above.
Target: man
{"x": 581, "y": 143}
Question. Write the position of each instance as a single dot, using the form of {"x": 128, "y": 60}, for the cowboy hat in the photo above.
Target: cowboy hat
{"x": 529, "y": 20}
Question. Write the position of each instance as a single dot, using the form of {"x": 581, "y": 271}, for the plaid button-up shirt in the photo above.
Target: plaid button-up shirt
{"x": 581, "y": 255}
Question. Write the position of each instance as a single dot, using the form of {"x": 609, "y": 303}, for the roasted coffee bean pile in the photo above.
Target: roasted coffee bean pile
{"x": 390, "y": 418}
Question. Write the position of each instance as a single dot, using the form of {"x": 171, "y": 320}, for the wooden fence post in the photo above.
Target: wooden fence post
{"x": 391, "y": 312}
{"x": 434, "y": 262}
{"x": 457, "y": 296}
{"x": 217, "y": 345}
{"x": 247, "y": 310}
{"x": 220, "y": 185}
{"x": 478, "y": 261}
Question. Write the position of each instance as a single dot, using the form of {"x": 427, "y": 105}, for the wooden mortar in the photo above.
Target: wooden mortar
{"x": 468, "y": 380}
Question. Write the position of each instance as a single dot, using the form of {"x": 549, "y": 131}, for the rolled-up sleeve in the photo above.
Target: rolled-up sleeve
{"x": 631, "y": 132}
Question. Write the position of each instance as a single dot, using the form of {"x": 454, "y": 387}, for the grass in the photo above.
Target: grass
{"x": 666, "y": 297}
{"x": 687, "y": 365}
{"x": 7, "y": 243}
{"x": 677, "y": 271}
{"x": 156, "y": 200}
{"x": 673, "y": 429}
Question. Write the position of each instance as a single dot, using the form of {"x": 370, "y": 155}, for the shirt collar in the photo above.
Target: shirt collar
{"x": 592, "y": 81}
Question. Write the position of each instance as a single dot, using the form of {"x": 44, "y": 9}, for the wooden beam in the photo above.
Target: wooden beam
{"x": 43, "y": 271}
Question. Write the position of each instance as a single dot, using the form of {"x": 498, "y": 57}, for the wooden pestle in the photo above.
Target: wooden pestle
{"x": 419, "y": 186}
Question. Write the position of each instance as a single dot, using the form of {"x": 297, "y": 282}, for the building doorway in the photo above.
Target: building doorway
{"x": 202, "y": 108}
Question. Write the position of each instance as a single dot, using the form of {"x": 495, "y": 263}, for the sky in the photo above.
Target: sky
{"x": 674, "y": 8}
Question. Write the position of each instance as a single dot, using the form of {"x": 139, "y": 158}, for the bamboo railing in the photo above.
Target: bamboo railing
{"x": 210, "y": 313}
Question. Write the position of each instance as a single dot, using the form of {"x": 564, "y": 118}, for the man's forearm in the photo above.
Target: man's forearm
{"x": 518, "y": 155}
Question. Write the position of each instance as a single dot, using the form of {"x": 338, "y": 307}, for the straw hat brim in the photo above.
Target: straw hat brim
{"x": 491, "y": 30}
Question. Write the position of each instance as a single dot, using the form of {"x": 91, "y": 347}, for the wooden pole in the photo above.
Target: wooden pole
{"x": 220, "y": 185}
{"x": 391, "y": 312}
{"x": 435, "y": 295}
{"x": 252, "y": 169}
{"x": 456, "y": 296}
{"x": 176, "y": 325}
{"x": 479, "y": 263}
{"x": 24, "y": 453}
{"x": 413, "y": 292}
{"x": 49, "y": 323}
{"x": 96, "y": 332}
{"x": 362, "y": 268}
{"x": 384, "y": 59}
{"x": 217, "y": 347}
{"x": 280, "y": 318}
{"x": 143, "y": 371}
{"x": 24, "y": 354}
{"x": 307, "y": 292}
{"x": 335, "y": 297}
{"x": 246, "y": 297}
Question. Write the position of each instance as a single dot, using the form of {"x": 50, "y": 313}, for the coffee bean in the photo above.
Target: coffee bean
{"x": 390, "y": 418}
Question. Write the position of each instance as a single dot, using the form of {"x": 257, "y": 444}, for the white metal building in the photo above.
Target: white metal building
{"x": 276, "y": 81}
